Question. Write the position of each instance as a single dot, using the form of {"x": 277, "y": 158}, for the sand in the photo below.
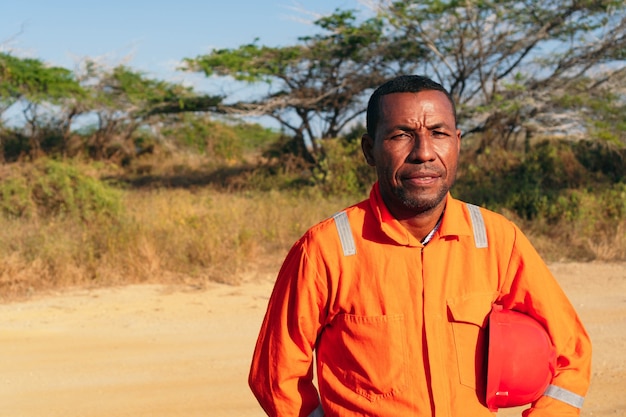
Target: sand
{"x": 154, "y": 350}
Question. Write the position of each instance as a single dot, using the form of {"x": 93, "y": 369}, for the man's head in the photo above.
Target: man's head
{"x": 413, "y": 142}
{"x": 401, "y": 84}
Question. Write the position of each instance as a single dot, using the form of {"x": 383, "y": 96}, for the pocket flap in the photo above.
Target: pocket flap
{"x": 472, "y": 308}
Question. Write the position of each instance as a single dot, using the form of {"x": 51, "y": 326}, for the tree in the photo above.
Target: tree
{"x": 36, "y": 85}
{"x": 120, "y": 98}
{"x": 29, "y": 79}
{"x": 123, "y": 100}
{"x": 317, "y": 87}
{"x": 510, "y": 64}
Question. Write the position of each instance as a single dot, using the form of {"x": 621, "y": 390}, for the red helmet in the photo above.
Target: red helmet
{"x": 521, "y": 359}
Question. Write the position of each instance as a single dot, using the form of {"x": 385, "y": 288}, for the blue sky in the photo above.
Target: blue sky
{"x": 153, "y": 36}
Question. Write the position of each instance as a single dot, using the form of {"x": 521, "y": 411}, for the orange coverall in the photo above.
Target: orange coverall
{"x": 399, "y": 327}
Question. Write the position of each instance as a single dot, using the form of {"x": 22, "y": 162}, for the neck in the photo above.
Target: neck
{"x": 422, "y": 224}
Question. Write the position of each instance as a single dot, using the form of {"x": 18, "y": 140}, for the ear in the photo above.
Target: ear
{"x": 367, "y": 145}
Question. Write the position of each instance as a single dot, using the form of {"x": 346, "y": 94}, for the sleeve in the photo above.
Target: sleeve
{"x": 281, "y": 374}
{"x": 530, "y": 288}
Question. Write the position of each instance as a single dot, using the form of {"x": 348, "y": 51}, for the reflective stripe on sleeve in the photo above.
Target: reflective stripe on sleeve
{"x": 478, "y": 225}
{"x": 563, "y": 395}
{"x": 345, "y": 233}
{"x": 318, "y": 412}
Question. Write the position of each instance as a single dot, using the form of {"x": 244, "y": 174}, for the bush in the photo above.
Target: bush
{"x": 343, "y": 169}
{"x": 13, "y": 144}
{"x": 602, "y": 159}
{"x": 49, "y": 188}
{"x": 340, "y": 170}
{"x": 536, "y": 184}
{"x": 221, "y": 140}
{"x": 567, "y": 196}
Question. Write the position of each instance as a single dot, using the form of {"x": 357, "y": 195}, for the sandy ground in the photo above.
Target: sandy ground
{"x": 181, "y": 351}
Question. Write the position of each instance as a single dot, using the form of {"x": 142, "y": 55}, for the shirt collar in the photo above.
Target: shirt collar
{"x": 455, "y": 220}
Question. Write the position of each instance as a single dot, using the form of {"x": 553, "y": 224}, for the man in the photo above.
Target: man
{"x": 393, "y": 293}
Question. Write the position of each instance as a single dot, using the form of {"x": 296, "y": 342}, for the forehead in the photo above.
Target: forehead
{"x": 430, "y": 103}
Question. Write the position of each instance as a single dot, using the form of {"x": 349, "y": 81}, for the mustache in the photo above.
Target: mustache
{"x": 423, "y": 171}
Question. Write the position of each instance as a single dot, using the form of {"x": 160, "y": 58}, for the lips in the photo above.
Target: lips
{"x": 422, "y": 176}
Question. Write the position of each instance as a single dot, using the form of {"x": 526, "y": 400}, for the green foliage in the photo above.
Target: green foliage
{"x": 601, "y": 159}
{"x": 282, "y": 168}
{"x": 607, "y": 119}
{"x": 124, "y": 101}
{"x": 344, "y": 38}
{"x": 340, "y": 171}
{"x": 253, "y": 136}
{"x": 343, "y": 170}
{"x": 131, "y": 94}
{"x": 50, "y": 188}
{"x": 32, "y": 80}
{"x": 613, "y": 202}
{"x": 51, "y": 97}
{"x": 249, "y": 62}
{"x": 15, "y": 197}
{"x": 604, "y": 110}
{"x": 547, "y": 183}
{"x": 222, "y": 140}
{"x": 132, "y": 91}
{"x": 319, "y": 85}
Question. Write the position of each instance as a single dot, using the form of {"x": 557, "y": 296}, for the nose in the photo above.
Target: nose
{"x": 422, "y": 150}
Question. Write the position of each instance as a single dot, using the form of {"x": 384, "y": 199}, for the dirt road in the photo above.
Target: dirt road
{"x": 179, "y": 351}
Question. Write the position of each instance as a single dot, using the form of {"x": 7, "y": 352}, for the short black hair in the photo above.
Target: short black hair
{"x": 401, "y": 84}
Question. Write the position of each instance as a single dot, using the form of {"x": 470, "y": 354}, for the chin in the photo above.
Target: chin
{"x": 421, "y": 203}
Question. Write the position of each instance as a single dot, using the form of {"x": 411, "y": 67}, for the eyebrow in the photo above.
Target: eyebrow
{"x": 438, "y": 126}
{"x": 406, "y": 127}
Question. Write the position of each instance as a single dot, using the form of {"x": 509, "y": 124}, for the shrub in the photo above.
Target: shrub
{"x": 535, "y": 184}
{"x": 220, "y": 140}
{"x": 49, "y": 188}
{"x": 343, "y": 169}
{"x": 602, "y": 159}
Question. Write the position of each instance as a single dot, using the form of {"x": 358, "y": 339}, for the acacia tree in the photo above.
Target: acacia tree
{"x": 123, "y": 100}
{"x": 512, "y": 64}
{"x": 317, "y": 87}
{"x": 49, "y": 96}
{"x": 31, "y": 80}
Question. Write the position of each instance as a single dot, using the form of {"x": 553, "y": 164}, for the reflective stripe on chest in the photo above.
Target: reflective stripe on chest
{"x": 347, "y": 239}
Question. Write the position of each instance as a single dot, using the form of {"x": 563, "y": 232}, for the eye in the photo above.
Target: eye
{"x": 401, "y": 135}
{"x": 439, "y": 133}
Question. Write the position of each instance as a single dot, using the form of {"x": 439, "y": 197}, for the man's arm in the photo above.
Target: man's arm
{"x": 531, "y": 288}
{"x": 281, "y": 374}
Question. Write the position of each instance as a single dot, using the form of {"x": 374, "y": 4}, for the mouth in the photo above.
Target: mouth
{"x": 422, "y": 178}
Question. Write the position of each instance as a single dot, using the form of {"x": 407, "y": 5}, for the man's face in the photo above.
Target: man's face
{"x": 415, "y": 151}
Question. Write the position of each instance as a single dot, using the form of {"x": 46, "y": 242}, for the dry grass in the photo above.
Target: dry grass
{"x": 184, "y": 231}
{"x": 165, "y": 235}
{"x": 577, "y": 241}
{"x": 611, "y": 246}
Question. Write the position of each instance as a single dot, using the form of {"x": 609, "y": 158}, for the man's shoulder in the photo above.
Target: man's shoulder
{"x": 491, "y": 218}
{"x": 353, "y": 214}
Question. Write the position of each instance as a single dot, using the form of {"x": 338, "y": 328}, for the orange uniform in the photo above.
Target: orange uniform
{"x": 398, "y": 327}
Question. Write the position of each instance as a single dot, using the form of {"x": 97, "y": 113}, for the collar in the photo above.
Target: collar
{"x": 430, "y": 234}
{"x": 455, "y": 220}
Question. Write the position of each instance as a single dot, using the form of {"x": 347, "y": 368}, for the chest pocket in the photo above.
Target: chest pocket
{"x": 468, "y": 321}
{"x": 366, "y": 354}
